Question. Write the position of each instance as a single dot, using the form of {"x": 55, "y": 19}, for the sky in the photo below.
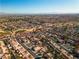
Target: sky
{"x": 39, "y": 6}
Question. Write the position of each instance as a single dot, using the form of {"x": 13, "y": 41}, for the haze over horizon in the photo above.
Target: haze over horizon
{"x": 39, "y": 6}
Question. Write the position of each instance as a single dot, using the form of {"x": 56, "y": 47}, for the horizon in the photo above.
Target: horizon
{"x": 3, "y": 13}
{"x": 39, "y": 6}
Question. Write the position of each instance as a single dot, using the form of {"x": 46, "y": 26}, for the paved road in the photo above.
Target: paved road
{"x": 33, "y": 54}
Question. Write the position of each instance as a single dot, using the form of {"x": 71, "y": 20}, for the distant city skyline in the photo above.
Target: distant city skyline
{"x": 39, "y": 6}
